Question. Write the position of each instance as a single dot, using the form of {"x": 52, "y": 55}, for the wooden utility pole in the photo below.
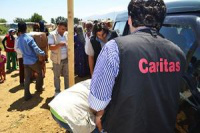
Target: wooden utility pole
{"x": 71, "y": 42}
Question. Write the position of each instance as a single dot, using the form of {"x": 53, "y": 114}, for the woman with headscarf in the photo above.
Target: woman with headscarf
{"x": 81, "y": 63}
{"x": 8, "y": 43}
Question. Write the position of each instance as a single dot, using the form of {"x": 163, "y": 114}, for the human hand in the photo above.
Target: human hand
{"x": 62, "y": 44}
{"x": 98, "y": 123}
{"x": 41, "y": 58}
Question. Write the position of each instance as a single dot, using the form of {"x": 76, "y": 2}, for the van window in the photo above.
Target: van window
{"x": 119, "y": 27}
{"x": 183, "y": 36}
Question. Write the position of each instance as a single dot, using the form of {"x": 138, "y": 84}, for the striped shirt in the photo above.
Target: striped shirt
{"x": 103, "y": 79}
{"x": 105, "y": 72}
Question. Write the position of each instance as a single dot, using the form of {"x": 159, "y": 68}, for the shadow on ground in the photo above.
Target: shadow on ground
{"x": 45, "y": 105}
{"x": 22, "y": 105}
{"x": 15, "y": 75}
{"x": 79, "y": 79}
{"x": 16, "y": 88}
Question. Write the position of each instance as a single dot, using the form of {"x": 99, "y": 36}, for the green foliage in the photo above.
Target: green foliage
{"x": 1, "y": 45}
{"x": 60, "y": 18}
{"x": 53, "y": 21}
{"x": 36, "y": 17}
{"x": 2, "y": 20}
{"x": 3, "y": 30}
{"x": 17, "y": 20}
{"x": 76, "y": 20}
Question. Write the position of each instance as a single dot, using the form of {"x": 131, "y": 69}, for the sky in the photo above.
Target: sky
{"x": 11, "y": 9}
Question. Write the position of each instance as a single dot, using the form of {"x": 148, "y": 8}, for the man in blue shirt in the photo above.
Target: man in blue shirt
{"x": 30, "y": 50}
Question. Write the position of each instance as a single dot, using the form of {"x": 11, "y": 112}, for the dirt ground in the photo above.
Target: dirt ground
{"x": 33, "y": 116}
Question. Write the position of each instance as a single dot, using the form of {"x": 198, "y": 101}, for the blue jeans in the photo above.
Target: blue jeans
{"x": 66, "y": 126}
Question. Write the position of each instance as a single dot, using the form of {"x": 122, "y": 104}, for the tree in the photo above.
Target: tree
{"x": 36, "y": 17}
{"x": 2, "y": 20}
{"x": 17, "y": 20}
{"x": 60, "y": 18}
{"x": 76, "y": 20}
{"x": 53, "y": 21}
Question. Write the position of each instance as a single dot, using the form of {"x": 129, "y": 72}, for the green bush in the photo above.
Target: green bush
{"x": 3, "y": 30}
{"x": 1, "y": 45}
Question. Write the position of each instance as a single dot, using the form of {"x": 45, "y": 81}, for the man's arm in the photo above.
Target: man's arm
{"x": 16, "y": 47}
{"x": 103, "y": 80}
{"x": 3, "y": 42}
{"x": 35, "y": 47}
{"x": 52, "y": 45}
{"x": 91, "y": 64}
{"x": 90, "y": 52}
{"x": 56, "y": 46}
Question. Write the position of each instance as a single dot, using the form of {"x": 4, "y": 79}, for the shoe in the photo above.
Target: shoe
{"x": 28, "y": 97}
{"x": 22, "y": 84}
{"x": 40, "y": 90}
{"x": 56, "y": 94}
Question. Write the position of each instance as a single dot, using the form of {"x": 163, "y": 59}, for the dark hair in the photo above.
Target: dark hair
{"x": 42, "y": 27}
{"x": 150, "y": 13}
{"x": 95, "y": 21}
{"x": 22, "y": 27}
{"x": 89, "y": 25}
{"x": 99, "y": 27}
{"x": 0, "y": 49}
{"x": 36, "y": 27}
{"x": 62, "y": 23}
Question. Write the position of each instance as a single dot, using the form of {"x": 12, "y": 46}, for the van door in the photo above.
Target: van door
{"x": 184, "y": 31}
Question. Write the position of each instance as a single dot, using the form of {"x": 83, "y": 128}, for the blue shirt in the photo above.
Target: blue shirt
{"x": 29, "y": 49}
{"x": 103, "y": 78}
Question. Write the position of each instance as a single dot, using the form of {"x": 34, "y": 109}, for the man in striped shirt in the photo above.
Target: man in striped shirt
{"x": 136, "y": 79}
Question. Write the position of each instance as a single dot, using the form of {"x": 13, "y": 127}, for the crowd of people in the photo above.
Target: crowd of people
{"x": 135, "y": 78}
{"x": 23, "y": 51}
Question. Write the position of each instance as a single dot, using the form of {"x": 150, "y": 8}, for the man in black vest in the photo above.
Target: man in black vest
{"x": 101, "y": 35}
{"x": 136, "y": 81}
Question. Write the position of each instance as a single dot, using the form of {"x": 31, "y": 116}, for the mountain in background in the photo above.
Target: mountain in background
{"x": 111, "y": 15}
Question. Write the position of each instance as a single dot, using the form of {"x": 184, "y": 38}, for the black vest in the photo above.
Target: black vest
{"x": 146, "y": 92}
{"x": 97, "y": 46}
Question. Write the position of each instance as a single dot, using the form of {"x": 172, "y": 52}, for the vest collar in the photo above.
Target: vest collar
{"x": 149, "y": 30}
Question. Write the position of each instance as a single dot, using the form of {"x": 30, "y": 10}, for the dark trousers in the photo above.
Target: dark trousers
{"x": 21, "y": 71}
{"x": 11, "y": 57}
{"x": 28, "y": 73}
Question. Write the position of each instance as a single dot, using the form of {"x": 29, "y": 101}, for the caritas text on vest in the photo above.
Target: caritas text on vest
{"x": 162, "y": 66}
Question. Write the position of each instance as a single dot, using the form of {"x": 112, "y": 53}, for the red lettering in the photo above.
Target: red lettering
{"x": 152, "y": 67}
{"x": 166, "y": 65}
{"x": 161, "y": 64}
{"x": 141, "y": 63}
{"x": 172, "y": 67}
{"x": 178, "y": 68}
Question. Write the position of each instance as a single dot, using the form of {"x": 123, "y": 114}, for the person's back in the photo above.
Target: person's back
{"x": 30, "y": 50}
{"x": 145, "y": 96}
{"x": 136, "y": 82}
{"x": 25, "y": 42}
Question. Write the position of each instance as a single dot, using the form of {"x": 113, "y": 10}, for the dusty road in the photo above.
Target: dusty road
{"x": 19, "y": 116}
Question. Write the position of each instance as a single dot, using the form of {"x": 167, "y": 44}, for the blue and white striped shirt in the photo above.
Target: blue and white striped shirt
{"x": 103, "y": 79}
{"x": 105, "y": 72}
